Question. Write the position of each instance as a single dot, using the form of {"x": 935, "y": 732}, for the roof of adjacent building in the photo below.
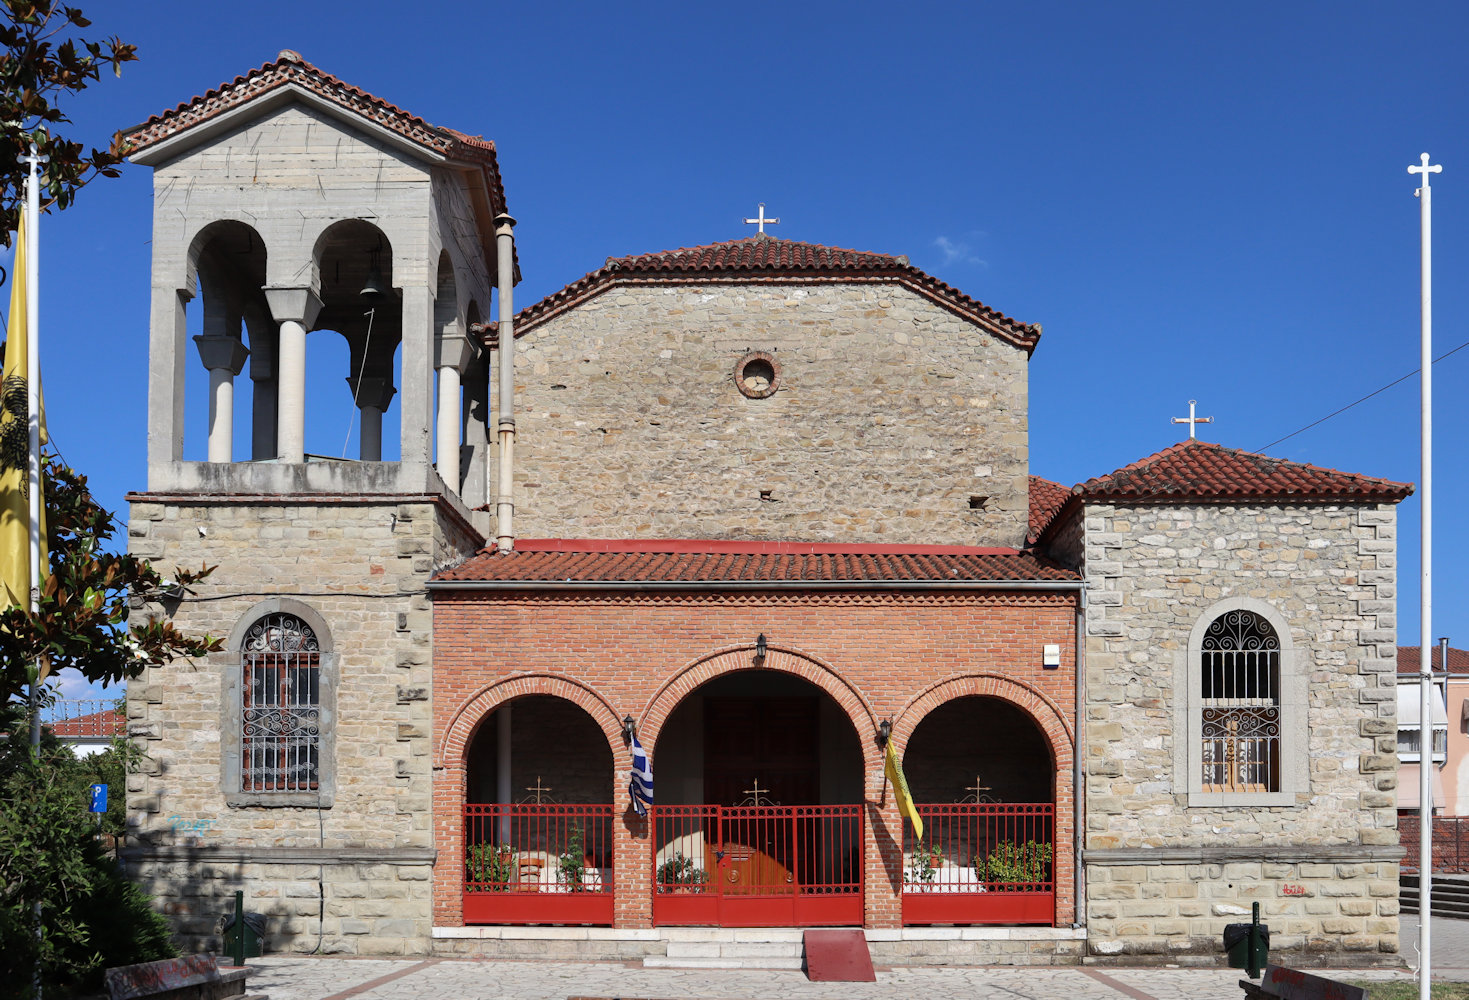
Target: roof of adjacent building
{"x": 1408, "y": 660}
{"x": 1047, "y": 497}
{"x": 104, "y": 725}
{"x": 1204, "y": 471}
{"x": 763, "y": 258}
{"x": 675, "y": 562}
{"x": 289, "y": 69}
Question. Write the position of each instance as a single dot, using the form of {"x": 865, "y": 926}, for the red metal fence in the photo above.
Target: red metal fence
{"x": 757, "y": 866}
{"x": 537, "y": 864}
{"x": 980, "y": 863}
{"x": 1450, "y": 843}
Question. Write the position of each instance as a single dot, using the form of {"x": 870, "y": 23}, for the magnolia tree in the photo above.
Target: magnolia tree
{"x": 41, "y": 63}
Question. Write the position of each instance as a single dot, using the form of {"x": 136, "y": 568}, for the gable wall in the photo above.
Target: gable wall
{"x": 892, "y": 412}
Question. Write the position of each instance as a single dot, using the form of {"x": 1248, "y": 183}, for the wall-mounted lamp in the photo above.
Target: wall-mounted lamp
{"x": 629, "y": 728}
{"x": 761, "y": 648}
{"x": 884, "y": 733}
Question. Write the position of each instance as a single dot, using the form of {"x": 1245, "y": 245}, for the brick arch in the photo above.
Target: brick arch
{"x": 779, "y": 659}
{"x": 1046, "y": 714}
{"x": 462, "y": 724}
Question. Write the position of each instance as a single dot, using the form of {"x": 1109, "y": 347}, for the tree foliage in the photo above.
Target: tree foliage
{"x": 92, "y": 917}
{"x": 84, "y": 619}
{"x": 42, "y": 62}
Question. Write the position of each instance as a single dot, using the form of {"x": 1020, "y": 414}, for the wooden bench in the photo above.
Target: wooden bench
{"x": 193, "y": 977}
{"x": 1280, "y": 983}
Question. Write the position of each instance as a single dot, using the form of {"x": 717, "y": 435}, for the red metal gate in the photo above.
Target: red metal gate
{"x": 757, "y": 866}
{"x": 538, "y": 864}
{"x": 981, "y": 863}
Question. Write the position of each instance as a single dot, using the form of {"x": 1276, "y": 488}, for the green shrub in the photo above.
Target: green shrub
{"x": 1011, "y": 862}
{"x": 92, "y": 918}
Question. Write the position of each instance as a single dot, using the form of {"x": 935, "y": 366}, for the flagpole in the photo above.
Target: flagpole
{"x": 1425, "y": 647}
{"x": 33, "y": 471}
{"x": 33, "y": 410}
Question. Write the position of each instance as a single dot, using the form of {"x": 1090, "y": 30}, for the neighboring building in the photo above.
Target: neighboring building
{"x": 773, "y": 507}
{"x": 1450, "y": 731}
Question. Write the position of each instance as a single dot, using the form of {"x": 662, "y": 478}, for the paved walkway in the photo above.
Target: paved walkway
{"x": 306, "y": 978}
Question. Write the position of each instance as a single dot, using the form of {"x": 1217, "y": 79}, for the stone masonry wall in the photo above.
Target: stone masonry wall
{"x": 891, "y": 414}
{"x": 360, "y": 563}
{"x": 1164, "y": 876}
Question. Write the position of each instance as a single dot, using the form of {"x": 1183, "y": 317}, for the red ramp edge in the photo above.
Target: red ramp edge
{"x": 838, "y": 957}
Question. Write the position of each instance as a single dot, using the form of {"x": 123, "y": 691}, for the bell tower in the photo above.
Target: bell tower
{"x": 292, "y": 208}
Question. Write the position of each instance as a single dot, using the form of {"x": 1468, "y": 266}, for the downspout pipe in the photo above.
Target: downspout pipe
{"x": 1078, "y": 772}
{"x": 505, "y": 498}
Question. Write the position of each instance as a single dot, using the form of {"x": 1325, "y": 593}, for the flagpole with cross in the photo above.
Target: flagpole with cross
{"x": 1425, "y": 647}
{"x": 33, "y": 407}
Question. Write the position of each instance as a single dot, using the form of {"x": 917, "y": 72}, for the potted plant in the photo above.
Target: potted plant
{"x": 571, "y": 864}
{"x": 925, "y": 863}
{"x": 1009, "y": 863}
{"x": 680, "y": 874}
{"x": 491, "y": 867}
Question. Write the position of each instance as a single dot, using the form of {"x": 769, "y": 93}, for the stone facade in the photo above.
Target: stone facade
{"x": 359, "y": 563}
{"x": 1165, "y": 869}
{"x": 889, "y": 414}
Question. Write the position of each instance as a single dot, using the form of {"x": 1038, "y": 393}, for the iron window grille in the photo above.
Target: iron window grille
{"x": 1240, "y": 664}
{"x": 280, "y": 706}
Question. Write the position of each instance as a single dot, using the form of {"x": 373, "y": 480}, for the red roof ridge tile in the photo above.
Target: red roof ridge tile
{"x": 289, "y": 67}
{"x": 751, "y": 546}
{"x": 1203, "y": 469}
{"x": 775, "y": 261}
{"x": 1047, "y": 499}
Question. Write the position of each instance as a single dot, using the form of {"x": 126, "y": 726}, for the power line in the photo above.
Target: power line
{"x": 1364, "y": 399}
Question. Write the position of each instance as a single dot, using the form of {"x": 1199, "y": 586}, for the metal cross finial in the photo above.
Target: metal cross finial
{"x": 762, "y": 220}
{"x": 1425, "y": 169}
{"x": 756, "y": 794}
{"x": 538, "y": 789}
{"x": 1191, "y": 420}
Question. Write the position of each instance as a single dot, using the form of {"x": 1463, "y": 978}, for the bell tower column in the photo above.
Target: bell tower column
{"x": 295, "y": 309}
{"x": 224, "y": 356}
{"x": 373, "y": 393}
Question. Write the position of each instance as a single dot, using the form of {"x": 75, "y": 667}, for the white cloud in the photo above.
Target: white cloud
{"x": 958, "y": 252}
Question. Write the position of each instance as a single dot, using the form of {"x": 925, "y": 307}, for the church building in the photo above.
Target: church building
{"x": 761, "y": 508}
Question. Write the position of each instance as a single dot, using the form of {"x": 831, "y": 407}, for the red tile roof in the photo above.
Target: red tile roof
{"x": 96, "y": 724}
{"x": 765, "y": 259}
{"x": 1046, "y": 500}
{"x": 1204, "y": 471}
{"x": 676, "y": 562}
{"x": 1408, "y": 660}
{"x": 289, "y": 68}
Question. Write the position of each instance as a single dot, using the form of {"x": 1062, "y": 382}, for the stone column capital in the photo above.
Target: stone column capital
{"x": 374, "y": 391}
{"x": 299, "y": 304}
{"x": 222, "y": 353}
{"x": 454, "y": 349}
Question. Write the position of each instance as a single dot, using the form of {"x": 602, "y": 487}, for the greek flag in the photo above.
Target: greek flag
{"x": 641, "y": 785}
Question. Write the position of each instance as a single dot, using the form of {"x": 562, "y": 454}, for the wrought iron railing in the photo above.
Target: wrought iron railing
{"x": 546, "y": 848}
{"x": 981, "y": 847}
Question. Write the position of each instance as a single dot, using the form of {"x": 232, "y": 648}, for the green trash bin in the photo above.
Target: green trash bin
{"x": 244, "y": 933}
{"x": 1248, "y": 945}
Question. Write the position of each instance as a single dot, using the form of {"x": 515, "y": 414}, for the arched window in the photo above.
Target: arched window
{"x": 1239, "y": 679}
{"x": 280, "y": 709}
{"x": 1243, "y": 703}
{"x": 278, "y": 714}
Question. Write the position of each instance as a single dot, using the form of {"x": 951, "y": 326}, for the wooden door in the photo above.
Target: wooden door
{"x": 759, "y": 752}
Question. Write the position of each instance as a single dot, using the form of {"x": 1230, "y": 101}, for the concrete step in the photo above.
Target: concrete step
{"x": 734, "y": 949}
{"x": 656, "y": 962}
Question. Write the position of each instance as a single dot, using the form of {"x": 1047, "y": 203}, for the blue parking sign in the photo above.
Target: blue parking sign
{"x": 99, "y": 799}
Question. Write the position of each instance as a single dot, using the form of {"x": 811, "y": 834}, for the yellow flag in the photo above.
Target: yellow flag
{"x": 900, "y": 790}
{"x": 15, "y": 563}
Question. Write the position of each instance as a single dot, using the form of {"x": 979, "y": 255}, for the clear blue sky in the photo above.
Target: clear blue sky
{"x": 1196, "y": 201}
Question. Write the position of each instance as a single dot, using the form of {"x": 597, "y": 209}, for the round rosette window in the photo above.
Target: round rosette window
{"x": 757, "y": 375}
